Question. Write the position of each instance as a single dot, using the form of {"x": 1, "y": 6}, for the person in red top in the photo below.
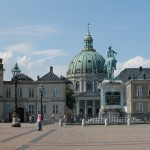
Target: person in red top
{"x": 65, "y": 118}
{"x": 39, "y": 121}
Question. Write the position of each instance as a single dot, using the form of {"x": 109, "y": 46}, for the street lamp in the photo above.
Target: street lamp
{"x": 41, "y": 88}
{"x": 16, "y": 72}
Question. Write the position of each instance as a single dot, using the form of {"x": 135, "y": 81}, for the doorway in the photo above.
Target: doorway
{"x": 89, "y": 111}
{"x": 21, "y": 114}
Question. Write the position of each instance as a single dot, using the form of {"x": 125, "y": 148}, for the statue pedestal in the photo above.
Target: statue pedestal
{"x": 111, "y": 97}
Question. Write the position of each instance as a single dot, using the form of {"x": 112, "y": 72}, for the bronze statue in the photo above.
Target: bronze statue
{"x": 110, "y": 63}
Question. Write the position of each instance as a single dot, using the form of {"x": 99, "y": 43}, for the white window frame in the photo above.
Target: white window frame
{"x": 44, "y": 109}
{"x": 149, "y": 107}
{"x": 19, "y": 92}
{"x": 31, "y": 109}
{"x": 8, "y": 92}
{"x": 148, "y": 91}
{"x": 55, "y": 109}
{"x": 31, "y": 92}
{"x": 138, "y": 91}
{"x": 55, "y": 92}
{"x": 139, "y": 108}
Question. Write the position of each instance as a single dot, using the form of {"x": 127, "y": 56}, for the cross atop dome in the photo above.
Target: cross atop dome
{"x": 88, "y": 24}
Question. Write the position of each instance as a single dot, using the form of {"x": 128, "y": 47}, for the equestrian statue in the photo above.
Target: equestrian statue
{"x": 110, "y": 63}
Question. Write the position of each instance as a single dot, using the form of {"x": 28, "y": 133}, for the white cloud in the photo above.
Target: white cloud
{"x": 29, "y": 60}
{"x": 6, "y": 56}
{"x": 135, "y": 62}
{"x": 28, "y": 31}
{"x": 25, "y": 62}
{"x": 20, "y": 48}
{"x": 51, "y": 53}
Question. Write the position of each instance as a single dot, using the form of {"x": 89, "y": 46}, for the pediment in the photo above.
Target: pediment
{"x": 89, "y": 94}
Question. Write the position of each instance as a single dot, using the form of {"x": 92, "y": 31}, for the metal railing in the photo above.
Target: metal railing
{"x": 135, "y": 118}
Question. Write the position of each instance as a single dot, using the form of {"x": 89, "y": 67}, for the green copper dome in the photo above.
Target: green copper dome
{"x": 88, "y": 60}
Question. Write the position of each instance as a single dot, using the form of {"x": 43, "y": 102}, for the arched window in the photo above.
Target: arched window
{"x": 139, "y": 107}
{"x": 89, "y": 85}
{"x": 77, "y": 86}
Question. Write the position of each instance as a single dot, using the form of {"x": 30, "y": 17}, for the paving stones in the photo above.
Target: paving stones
{"x": 114, "y": 137}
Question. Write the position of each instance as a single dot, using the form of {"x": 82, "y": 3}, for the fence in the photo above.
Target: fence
{"x": 135, "y": 118}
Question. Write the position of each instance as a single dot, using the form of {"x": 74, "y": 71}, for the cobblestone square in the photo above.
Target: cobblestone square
{"x": 75, "y": 137}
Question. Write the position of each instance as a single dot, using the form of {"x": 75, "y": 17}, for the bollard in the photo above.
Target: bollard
{"x": 106, "y": 122}
{"x": 83, "y": 122}
{"x": 60, "y": 123}
{"x": 129, "y": 122}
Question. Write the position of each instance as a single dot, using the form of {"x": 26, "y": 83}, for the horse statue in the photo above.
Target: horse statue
{"x": 110, "y": 63}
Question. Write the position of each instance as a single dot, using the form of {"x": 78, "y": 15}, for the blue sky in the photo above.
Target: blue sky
{"x": 38, "y": 34}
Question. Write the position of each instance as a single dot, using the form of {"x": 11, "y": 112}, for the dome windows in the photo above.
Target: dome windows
{"x": 89, "y": 85}
{"x": 78, "y": 86}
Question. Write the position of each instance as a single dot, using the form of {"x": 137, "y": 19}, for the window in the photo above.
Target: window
{"x": 31, "y": 109}
{"x": 8, "y": 92}
{"x": 55, "y": 109}
{"x": 44, "y": 109}
{"x": 7, "y": 108}
{"x": 95, "y": 86}
{"x": 148, "y": 90}
{"x": 31, "y": 92}
{"x": 19, "y": 92}
{"x": 139, "y": 107}
{"x": 139, "y": 91}
{"x": 149, "y": 107}
{"x": 77, "y": 86}
{"x": 55, "y": 92}
{"x": 89, "y": 85}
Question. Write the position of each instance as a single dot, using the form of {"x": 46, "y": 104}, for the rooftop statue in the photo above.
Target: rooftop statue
{"x": 110, "y": 63}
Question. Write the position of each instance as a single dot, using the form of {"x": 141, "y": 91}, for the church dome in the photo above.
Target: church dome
{"x": 88, "y": 60}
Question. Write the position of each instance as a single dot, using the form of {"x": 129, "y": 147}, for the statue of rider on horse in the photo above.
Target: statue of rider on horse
{"x": 110, "y": 63}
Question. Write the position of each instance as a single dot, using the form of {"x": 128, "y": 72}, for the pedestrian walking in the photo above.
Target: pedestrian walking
{"x": 32, "y": 118}
{"x": 65, "y": 118}
{"x": 53, "y": 118}
{"x": 39, "y": 121}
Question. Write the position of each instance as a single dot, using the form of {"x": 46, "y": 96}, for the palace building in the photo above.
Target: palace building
{"x": 29, "y": 97}
{"x": 85, "y": 71}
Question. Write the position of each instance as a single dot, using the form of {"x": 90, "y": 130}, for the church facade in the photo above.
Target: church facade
{"x": 86, "y": 71}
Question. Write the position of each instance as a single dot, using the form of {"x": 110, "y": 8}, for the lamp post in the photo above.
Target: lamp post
{"x": 41, "y": 88}
{"x": 16, "y": 72}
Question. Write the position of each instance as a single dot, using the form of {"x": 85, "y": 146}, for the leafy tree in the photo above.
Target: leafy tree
{"x": 70, "y": 98}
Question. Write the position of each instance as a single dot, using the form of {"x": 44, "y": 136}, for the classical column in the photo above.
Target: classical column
{"x": 77, "y": 107}
{"x": 93, "y": 110}
{"x": 85, "y": 112}
{"x": 81, "y": 84}
{"x": 93, "y": 85}
{"x": 84, "y": 86}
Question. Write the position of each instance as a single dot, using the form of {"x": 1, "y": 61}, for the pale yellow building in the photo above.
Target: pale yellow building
{"x": 29, "y": 96}
{"x": 138, "y": 93}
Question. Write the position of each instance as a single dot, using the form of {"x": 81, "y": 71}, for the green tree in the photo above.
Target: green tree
{"x": 70, "y": 98}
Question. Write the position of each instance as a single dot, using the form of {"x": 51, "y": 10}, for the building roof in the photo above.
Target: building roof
{"x": 23, "y": 77}
{"x": 88, "y": 60}
{"x": 137, "y": 73}
{"x": 49, "y": 76}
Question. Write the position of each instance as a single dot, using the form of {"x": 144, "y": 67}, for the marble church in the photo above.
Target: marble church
{"x": 85, "y": 71}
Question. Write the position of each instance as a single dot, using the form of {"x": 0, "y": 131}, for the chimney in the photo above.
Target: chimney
{"x": 51, "y": 69}
{"x": 140, "y": 68}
